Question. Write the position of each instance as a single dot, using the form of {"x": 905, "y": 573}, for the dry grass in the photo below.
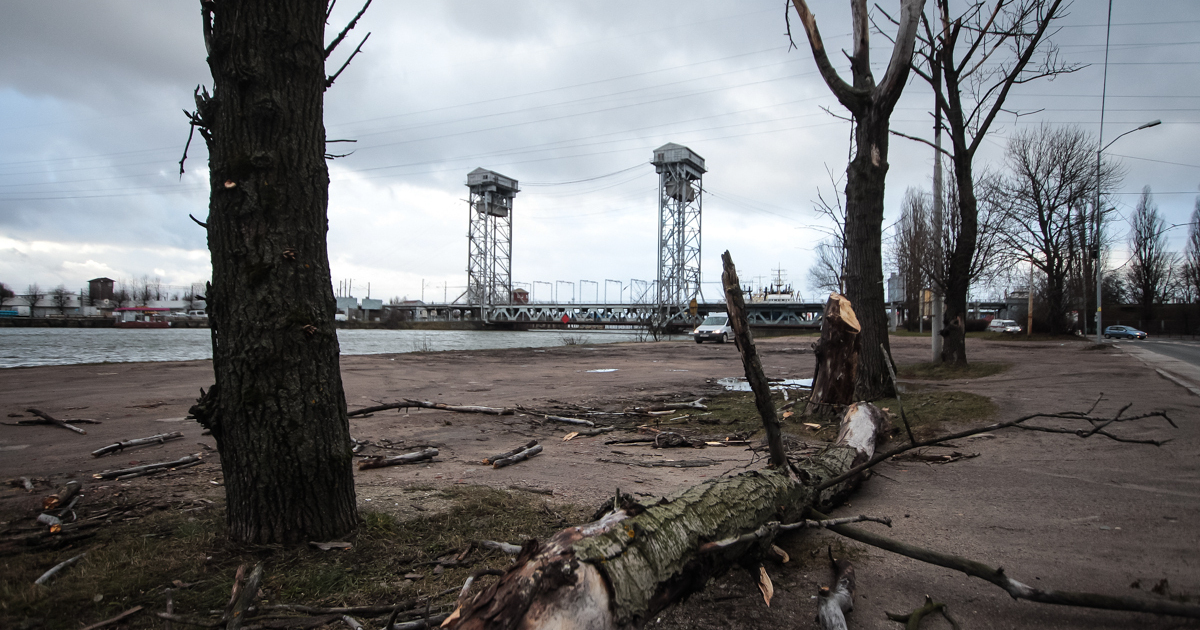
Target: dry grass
{"x": 133, "y": 563}
{"x": 946, "y": 371}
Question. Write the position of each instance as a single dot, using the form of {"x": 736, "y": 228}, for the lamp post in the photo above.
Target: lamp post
{"x": 1099, "y": 271}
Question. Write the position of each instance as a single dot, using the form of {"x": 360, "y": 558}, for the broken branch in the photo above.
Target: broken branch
{"x": 407, "y": 404}
{"x": 46, "y": 577}
{"x": 126, "y": 473}
{"x": 519, "y": 457}
{"x": 120, "y": 446}
{"x": 1014, "y": 588}
{"x": 506, "y": 454}
{"x": 408, "y": 458}
{"x": 52, "y": 420}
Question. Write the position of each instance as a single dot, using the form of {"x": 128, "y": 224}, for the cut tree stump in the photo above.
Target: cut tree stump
{"x": 837, "y": 357}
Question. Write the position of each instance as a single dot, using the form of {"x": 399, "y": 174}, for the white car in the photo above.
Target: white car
{"x": 715, "y": 327}
{"x": 1004, "y": 326}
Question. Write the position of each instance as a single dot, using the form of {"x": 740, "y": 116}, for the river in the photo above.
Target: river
{"x": 29, "y": 347}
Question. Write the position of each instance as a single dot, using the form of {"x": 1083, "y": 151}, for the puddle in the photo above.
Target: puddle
{"x": 740, "y": 384}
{"x": 604, "y": 370}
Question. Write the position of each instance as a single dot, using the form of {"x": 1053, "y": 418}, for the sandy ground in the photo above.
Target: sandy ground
{"x": 1055, "y": 511}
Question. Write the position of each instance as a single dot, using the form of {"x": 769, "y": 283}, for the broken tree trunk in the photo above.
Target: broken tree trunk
{"x": 622, "y": 569}
{"x": 837, "y": 356}
{"x": 750, "y": 361}
{"x": 518, "y": 457}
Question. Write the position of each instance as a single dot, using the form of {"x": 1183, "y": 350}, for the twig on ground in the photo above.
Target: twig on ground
{"x": 137, "y": 471}
{"x": 519, "y": 457}
{"x": 120, "y": 446}
{"x": 118, "y": 618}
{"x": 510, "y": 453}
{"x": 48, "y": 575}
{"x": 407, "y": 404}
{"x": 55, "y": 421}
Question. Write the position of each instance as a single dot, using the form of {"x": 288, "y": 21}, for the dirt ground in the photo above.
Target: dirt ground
{"x": 1056, "y": 511}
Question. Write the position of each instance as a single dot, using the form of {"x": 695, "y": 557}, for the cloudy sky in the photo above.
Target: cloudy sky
{"x": 568, "y": 98}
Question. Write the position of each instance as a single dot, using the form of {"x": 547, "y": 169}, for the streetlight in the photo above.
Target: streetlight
{"x": 1099, "y": 271}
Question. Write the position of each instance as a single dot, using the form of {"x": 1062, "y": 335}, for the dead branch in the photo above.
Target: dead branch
{"x": 55, "y": 421}
{"x": 695, "y": 404}
{"x": 128, "y": 473}
{"x": 834, "y": 603}
{"x": 408, "y": 458}
{"x": 242, "y": 597}
{"x": 1014, "y": 588}
{"x": 586, "y": 423}
{"x": 408, "y": 404}
{"x": 913, "y": 619}
{"x": 519, "y": 457}
{"x": 504, "y": 547}
{"x": 39, "y": 421}
{"x": 349, "y": 27}
{"x": 592, "y": 432}
{"x": 683, "y": 463}
{"x": 509, "y": 453}
{"x": 1097, "y": 425}
{"x": 772, "y": 529}
{"x": 118, "y": 618}
{"x": 352, "y": 622}
{"x": 48, "y": 575}
{"x": 120, "y": 446}
{"x": 64, "y": 494}
{"x": 750, "y": 361}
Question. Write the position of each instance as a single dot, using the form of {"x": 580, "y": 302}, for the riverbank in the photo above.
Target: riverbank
{"x": 1056, "y": 511}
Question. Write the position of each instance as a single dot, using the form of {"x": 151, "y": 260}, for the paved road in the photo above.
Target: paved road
{"x": 1185, "y": 350}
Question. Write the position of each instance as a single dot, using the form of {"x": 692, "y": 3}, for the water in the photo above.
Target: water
{"x": 740, "y": 384}
{"x": 29, "y": 347}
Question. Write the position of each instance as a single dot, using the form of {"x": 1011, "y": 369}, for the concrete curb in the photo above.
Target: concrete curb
{"x": 1167, "y": 367}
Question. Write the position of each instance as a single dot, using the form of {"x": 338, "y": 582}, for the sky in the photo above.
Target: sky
{"x": 568, "y": 98}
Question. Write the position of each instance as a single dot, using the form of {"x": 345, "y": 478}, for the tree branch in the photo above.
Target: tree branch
{"x": 337, "y": 40}
{"x": 331, "y": 79}
{"x": 1014, "y": 588}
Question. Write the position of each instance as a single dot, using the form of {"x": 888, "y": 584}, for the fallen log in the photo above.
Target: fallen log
{"x": 409, "y": 404}
{"x": 519, "y": 457}
{"x": 396, "y": 460}
{"x": 147, "y": 468}
{"x": 622, "y": 569}
{"x": 55, "y": 421}
{"x": 120, "y": 446}
{"x": 509, "y": 453}
{"x": 837, "y": 356}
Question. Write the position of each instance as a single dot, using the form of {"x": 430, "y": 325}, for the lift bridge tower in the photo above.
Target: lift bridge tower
{"x": 489, "y": 234}
{"x": 680, "y": 195}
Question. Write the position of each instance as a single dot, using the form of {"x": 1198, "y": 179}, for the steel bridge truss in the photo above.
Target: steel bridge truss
{"x": 680, "y": 202}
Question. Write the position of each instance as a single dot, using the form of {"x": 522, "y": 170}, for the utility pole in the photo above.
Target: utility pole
{"x": 935, "y": 325}
{"x": 1029, "y": 309}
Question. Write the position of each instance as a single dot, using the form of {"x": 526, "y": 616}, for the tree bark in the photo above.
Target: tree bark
{"x": 871, "y": 106}
{"x": 277, "y": 411}
{"x": 619, "y": 571}
{"x": 837, "y": 357}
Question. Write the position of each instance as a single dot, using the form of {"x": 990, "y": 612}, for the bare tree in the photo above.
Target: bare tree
{"x": 1190, "y": 266}
{"x": 870, "y": 104}
{"x": 910, "y": 249}
{"x": 1053, "y": 175}
{"x": 829, "y": 271}
{"x": 1151, "y": 266}
{"x": 277, "y": 410}
{"x": 5, "y": 292}
{"x": 973, "y": 60}
{"x": 60, "y": 297}
{"x": 33, "y": 295}
{"x": 123, "y": 294}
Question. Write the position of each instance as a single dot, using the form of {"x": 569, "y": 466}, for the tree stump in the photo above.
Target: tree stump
{"x": 837, "y": 358}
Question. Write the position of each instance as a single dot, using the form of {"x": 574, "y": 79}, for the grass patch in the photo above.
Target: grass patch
{"x": 928, "y": 411}
{"x": 945, "y": 371}
{"x": 132, "y": 563}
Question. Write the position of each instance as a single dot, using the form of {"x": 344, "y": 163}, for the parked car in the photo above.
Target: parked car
{"x": 715, "y": 327}
{"x": 1123, "y": 332}
{"x": 1003, "y": 326}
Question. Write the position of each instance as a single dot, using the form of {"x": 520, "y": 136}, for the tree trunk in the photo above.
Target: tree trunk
{"x": 277, "y": 410}
{"x": 864, "y": 253}
{"x": 958, "y": 275}
{"x": 622, "y": 569}
{"x": 837, "y": 357}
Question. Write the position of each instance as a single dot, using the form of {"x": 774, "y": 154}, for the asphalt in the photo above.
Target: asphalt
{"x": 1175, "y": 360}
